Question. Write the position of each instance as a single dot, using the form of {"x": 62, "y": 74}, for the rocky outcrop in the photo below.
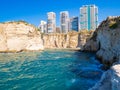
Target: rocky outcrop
{"x": 55, "y": 40}
{"x": 91, "y": 44}
{"x": 110, "y": 79}
{"x": 70, "y": 40}
{"x": 18, "y": 36}
{"x": 107, "y": 39}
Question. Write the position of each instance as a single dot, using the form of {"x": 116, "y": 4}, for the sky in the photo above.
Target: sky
{"x": 33, "y": 11}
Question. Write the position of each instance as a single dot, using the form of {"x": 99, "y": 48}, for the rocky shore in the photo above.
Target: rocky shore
{"x": 106, "y": 39}
{"x": 110, "y": 80}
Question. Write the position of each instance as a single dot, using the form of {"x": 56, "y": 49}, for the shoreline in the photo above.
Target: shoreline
{"x": 69, "y": 49}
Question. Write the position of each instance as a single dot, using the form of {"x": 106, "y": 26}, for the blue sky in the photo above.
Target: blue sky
{"x": 33, "y": 11}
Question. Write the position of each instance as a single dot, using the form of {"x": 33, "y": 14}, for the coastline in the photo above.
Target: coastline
{"x": 70, "y": 49}
{"x": 104, "y": 42}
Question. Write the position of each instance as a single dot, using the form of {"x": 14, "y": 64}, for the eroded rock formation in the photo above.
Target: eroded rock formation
{"x": 18, "y": 36}
{"x": 107, "y": 39}
{"x": 70, "y": 40}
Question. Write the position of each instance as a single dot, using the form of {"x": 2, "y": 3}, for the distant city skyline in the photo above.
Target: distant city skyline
{"x": 35, "y": 11}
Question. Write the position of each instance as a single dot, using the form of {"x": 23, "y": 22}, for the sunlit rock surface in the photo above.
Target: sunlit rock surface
{"x": 110, "y": 79}
{"x": 70, "y": 40}
{"x": 109, "y": 38}
{"x": 18, "y": 36}
{"x": 106, "y": 40}
{"x": 107, "y": 35}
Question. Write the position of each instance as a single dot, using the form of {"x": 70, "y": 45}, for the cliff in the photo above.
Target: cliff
{"x": 70, "y": 40}
{"x": 18, "y": 36}
{"x": 107, "y": 40}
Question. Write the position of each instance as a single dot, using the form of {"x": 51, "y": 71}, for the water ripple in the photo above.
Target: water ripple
{"x": 48, "y": 70}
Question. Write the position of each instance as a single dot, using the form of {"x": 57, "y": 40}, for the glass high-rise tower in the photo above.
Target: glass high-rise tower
{"x": 74, "y": 24}
{"x": 88, "y": 17}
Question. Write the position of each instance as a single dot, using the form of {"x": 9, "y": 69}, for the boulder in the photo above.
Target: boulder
{"x": 110, "y": 79}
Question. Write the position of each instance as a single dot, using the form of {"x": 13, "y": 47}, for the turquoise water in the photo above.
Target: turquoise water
{"x": 49, "y": 70}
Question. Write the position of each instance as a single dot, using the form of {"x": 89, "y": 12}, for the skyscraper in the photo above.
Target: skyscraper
{"x": 51, "y": 22}
{"x": 88, "y": 17}
{"x": 64, "y": 21}
{"x": 74, "y": 23}
{"x": 43, "y": 27}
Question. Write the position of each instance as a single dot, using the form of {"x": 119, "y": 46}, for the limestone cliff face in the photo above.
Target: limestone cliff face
{"x": 86, "y": 42}
{"x": 109, "y": 38}
{"x": 55, "y": 40}
{"x": 106, "y": 40}
{"x": 70, "y": 40}
{"x": 92, "y": 44}
{"x": 18, "y": 36}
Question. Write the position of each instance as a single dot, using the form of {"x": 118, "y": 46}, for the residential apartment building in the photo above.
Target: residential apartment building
{"x": 51, "y": 22}
{"x": 43, "y": 26}
{"x": 88, "y": 17}
{"x": 74, "y": 24}
{"x": 64, "y": 21}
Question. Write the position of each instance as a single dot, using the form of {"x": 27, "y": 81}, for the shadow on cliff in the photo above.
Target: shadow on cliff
{"x": 87, "y": 41}
{"x": 105, "y": 42}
